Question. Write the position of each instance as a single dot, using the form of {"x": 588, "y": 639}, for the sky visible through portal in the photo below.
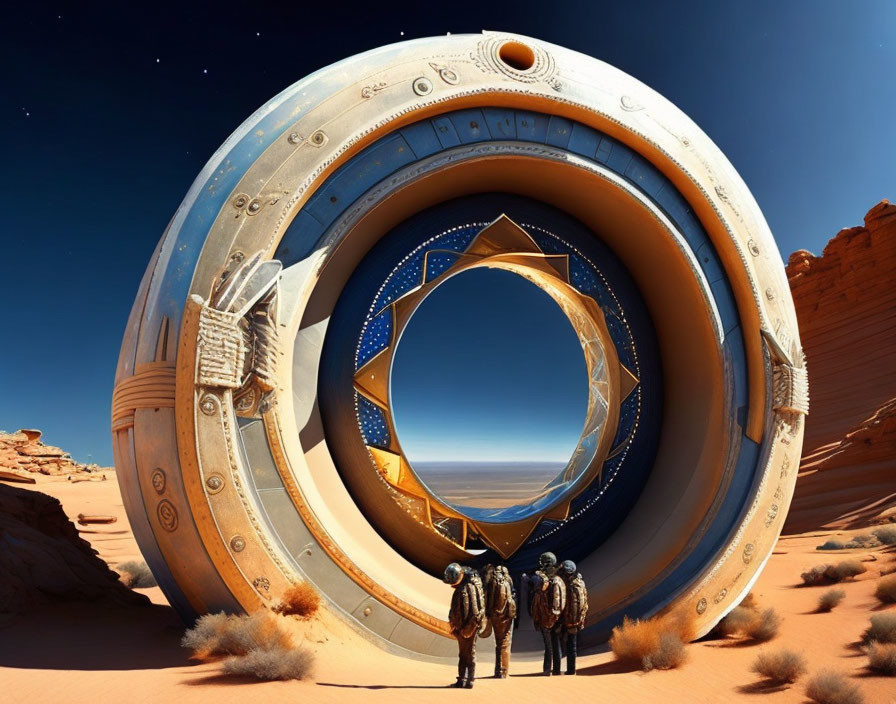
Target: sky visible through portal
{"x": 110, "y": 110}
{"x": 489, "y": 369}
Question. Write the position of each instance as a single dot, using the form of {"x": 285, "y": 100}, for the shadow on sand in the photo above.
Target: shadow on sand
{"x": 382, "y": 686}
{"x": 93, "y": 636}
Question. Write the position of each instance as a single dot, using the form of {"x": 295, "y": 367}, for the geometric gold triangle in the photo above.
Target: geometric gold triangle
{"x": 372, "y": 380}
{"x": 627, "y": 382}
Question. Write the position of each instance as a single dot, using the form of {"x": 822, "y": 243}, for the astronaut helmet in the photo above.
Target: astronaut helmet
{"x": 454, "y": 573}
{"x": 547, "y": 561}
{"x": 568, "y": 568}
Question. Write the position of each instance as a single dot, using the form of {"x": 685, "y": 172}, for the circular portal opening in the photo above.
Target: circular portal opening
{"x": 517, "y": 55}
{"x": 489, "y": 394}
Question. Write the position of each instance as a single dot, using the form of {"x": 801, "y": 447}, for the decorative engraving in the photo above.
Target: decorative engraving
{"x": 446, "y": 73}
{"x": 167, "y": 515}
{"x": 158, "y": 481}
{"x": 770, "y": 293}
{"x": 238, "y": 343}
{"x": 238, "y": 544}
{"x": 504, "y": 244}
{"x": 629, "y": 104}
{"x": 790, "y": 389}
{"x": 701, "y": 606}
{"x": 371, "y": 90}
{"x": 222, "y": 349}
{"x": 214, "y": 483}
{"x": 770, "y": 516}
{"x": 262, "y": 584}
{"x": 487, "y": 59}
{"x": 749, "y": 550}
{"x": 785, "y": 466}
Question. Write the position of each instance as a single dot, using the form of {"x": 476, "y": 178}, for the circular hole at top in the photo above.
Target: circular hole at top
{"x": 489, "y": 393}
{"x": 517, "y": 55}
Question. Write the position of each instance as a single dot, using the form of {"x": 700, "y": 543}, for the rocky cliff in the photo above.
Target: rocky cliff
{"x": 24, "y": 452}
{"x": 42, "y": 557}
{"x": 846, "y": 306}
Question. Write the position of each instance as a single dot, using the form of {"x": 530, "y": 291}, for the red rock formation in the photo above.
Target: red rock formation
{"x": 24, "y": 452}
{"x": 846, "y": 306}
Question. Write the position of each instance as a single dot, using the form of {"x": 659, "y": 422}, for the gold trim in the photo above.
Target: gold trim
{"x": 272, "y": 430}
{"x": 505, "y": 245}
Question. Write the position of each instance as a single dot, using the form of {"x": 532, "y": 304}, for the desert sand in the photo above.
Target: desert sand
{"x": 95, "y": 652}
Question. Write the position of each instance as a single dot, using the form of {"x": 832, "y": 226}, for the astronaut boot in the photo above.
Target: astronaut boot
{"x": 471, "y": 674}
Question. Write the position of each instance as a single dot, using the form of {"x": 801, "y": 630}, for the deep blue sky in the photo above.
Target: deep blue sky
{"x": 109, "y": 112}
{"x": 473, "y": 380}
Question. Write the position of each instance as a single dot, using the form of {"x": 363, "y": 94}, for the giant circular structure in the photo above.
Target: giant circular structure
{"x": 252, "y": 416}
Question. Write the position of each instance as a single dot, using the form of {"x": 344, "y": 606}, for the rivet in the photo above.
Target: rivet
{"x": 753, "y": 247}
{"x": 366, "y": 611}
{"x": 254, "y": 207}
{"x": 294, "y": 138}
{"x": 214, "y": 483}
{"x": 238, "y": 543}
{"x": 319, "y": 138}
{"x": 449, "y": 76}
{"x": 770, "y": 294}
{"x": 701, "y": 606}
{"x": 208, "y": 405}
{"x": 422, "y": 86}
{"x": 240, "y": 201}
{"x": 158, "y": 481}
{"x": 237, "y": 256}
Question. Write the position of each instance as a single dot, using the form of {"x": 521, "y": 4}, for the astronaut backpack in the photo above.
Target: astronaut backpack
{"x": 500, "y": 597}
{"x": 576, "y": 603}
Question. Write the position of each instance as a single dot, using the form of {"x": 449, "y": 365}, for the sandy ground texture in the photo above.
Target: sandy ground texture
{"x": 94, "y": 653}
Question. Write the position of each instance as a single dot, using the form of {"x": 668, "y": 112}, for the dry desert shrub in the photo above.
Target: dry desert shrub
{"x": 882, "y": 629}
{"x": 882, "y": 657}
{"x": 224, "y": 634}
{"x": 831, "y": 574}
{"x": 847, "y": 569}
{"x": 830, "y": 599}
{"x": 275, "y": 664}
{"x": 300, "y": 600}
{"x": 136, "y": 575}
{"x": 764, "y": 626}
{"x": 669, "y": 654}
{"x": 886, "y": 535}
{"x": 650, "y": 642}
{"x": 832, "y": 544}
{"x": 886, "y": 589}
{"x": 783, "y": 666}
{"x": 829, "y": 687}
{"x": 736, "y": 621}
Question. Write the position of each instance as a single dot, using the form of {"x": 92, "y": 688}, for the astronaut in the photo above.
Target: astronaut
{"x": 548, "y": 604}
{"x": 573, "y": 617}
{"x": 466, "y": 617}
{"x": 500, "y": 608}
